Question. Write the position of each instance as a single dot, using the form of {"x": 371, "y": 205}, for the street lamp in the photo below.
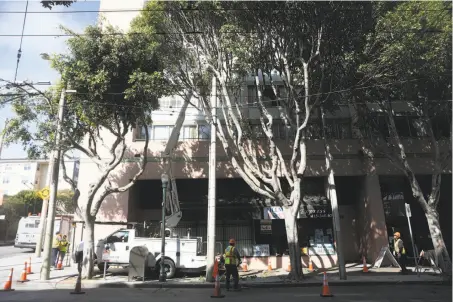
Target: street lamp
{"x": 163, "y": 275}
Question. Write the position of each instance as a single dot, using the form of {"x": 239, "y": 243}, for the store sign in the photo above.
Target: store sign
{"x": 393, "y": 204}
{"x": 266, "y": 226}
{"x": 261, "y": 250}
{"x": 316, "y": 211}
{"x": 322, "y": 249}
{"x": 273, "y": 213}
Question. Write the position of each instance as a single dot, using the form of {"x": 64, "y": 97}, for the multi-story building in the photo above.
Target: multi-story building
{"x": 27, "y": 174}
{"x": 371, "y": 201}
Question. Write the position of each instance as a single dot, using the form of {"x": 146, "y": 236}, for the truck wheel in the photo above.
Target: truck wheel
{"x": 101, "y": 267}
{"x": 170, "y": 268}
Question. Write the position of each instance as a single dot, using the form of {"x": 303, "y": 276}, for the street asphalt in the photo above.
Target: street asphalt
{"x": 422, "y": 293}
{"x": 10, "y": 250}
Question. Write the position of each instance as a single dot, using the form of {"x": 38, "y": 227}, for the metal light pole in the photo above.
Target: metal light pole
{"x": 46, "y": 262}
{"x": 212, "y": 185}
{"x": 163, "y": 275}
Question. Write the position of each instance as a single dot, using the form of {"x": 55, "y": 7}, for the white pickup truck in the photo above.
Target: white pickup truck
{"x": 182, "y": 254}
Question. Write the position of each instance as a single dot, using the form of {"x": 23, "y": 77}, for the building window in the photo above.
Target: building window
{"x": 313, "y": 131}
{"x": 441, "y": 126}
{"x": 251, "y": 94}
{"x": 170, "y": 102}
{"x": 140, "y": 134}
{"x": 27, "y": 167}
{"x": 279, "y": 131}
{"x": 161, "y": 132}
{"x": 338, "y": 128}
{"x": 204, "y": 132}
{"x": 189, "y": 133}
{"x": 6, "y": 180}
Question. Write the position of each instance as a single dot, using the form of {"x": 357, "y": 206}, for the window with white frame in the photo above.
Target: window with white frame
{"x": 6, "y": 180}
{"x": 170, "y": 102}
{"x": 27, "y": 167}
{"x": 189, "y": 133}
{"x": 161, "y": 132}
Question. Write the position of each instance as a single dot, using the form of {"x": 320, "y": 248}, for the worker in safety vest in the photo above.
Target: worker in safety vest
{"x": 63, "y": 248}
{"x": 55, "y": 248}
{"x": 232, "y": 260}
{"x": 400, "y": 252}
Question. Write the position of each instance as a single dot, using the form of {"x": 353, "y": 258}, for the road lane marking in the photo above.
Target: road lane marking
{"x": 317, "y": 295}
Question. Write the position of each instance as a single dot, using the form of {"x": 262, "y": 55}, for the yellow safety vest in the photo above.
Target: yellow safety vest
{"x": 63, "y": 245}
{"x": 397, "y": 249}
{"x": 56, "y": 243}
{"x": 230, "y": 257}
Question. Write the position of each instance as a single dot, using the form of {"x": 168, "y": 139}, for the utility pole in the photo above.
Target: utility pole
{"x": 44, "y": 209}
{"x": 212, "y": 184}
{"x": 332, "y": 191}
{"x": 2, "y": 138}
{"x": 46, "y": 262}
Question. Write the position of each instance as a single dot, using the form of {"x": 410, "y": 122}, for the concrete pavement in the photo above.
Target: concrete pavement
{"x": 422, "y": 293}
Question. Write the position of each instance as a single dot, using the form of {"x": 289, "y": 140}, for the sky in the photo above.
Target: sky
{"x": 31, "y": 66}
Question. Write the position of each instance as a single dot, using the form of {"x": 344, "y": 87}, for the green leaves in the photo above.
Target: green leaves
{"x": 117, "y": 77}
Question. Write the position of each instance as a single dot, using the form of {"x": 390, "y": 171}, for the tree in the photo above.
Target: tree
{"x": 12, "y": 209}
{"x": 29, "y": 199}
{"x": 302, "y": 42}
{"x": 65, "y": 202}
{"x": 118, "y": 79}
{"x": 51, "y": 4}
{"x": 410, "y": 48}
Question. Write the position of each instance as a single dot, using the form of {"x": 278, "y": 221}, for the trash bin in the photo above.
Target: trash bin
{"x": 138, "y": 261}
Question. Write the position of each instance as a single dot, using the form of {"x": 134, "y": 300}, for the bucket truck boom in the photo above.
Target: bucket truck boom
{"x": 172, "y": 201}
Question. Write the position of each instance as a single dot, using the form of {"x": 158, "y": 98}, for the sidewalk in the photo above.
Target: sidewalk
{"x": 65, "y": 279}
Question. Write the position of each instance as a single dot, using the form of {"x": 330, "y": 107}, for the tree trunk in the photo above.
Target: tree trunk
{"x": 292, "y": 235}
{"x": 88, "y": 249}
{"x": 441, "y": 252}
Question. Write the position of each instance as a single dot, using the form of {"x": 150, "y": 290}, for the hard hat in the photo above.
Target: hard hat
{"x": 397, "y": 234}
{"x": 232, "y": 241}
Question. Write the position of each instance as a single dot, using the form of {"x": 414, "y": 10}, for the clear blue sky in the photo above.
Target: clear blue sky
{"x": 32, "y": 67}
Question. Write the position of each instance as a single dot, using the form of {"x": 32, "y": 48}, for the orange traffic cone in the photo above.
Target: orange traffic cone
{"x": 269, "y": 264}
{"x": 60, "y": 265}
{"x": 7, "y": 287}
{"x": 29, "y": 267}
{"x": 310, "y": 265}
{"x": 325, "y": 287}
{"x": 245, "y": 267}
{"x": 365, "y": 267}
{"x": 23, "y": 276}
{"x": 289, "y": 267}
{"x": 217, "y": 291}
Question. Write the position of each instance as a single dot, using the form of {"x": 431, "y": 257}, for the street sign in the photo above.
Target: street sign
{"x": 44, "y": 193}
{"x": 2, "y": 217}
{"x": 106, "y": 256}
{"x": 408, "y": 210}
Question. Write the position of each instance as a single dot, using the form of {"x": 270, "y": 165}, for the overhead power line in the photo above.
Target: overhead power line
{"x": 19, "y": 52}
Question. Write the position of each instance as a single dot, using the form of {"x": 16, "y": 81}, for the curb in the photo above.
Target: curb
{"x": 260, "y": 285}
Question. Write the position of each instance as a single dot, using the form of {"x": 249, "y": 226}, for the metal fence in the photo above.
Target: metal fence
{"x": 242, "y": 232}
